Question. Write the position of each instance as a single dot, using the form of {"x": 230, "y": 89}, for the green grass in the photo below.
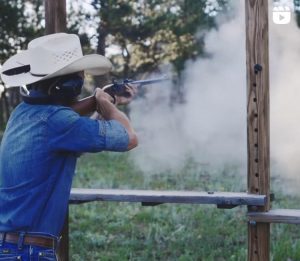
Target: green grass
{"x": 128, "y": 231}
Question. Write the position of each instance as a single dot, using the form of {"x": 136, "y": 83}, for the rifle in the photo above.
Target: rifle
{"x": 88, "y": 104}
{"x": 119, "y": 88}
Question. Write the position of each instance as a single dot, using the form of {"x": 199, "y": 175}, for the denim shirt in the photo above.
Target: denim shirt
{"x": 37, "y": 162}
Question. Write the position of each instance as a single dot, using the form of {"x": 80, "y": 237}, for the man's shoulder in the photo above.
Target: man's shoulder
{"x": 51, "y": 114}
{"x": 61, "y": 111}
{"x": 61, "y": 118}
{"x": 46, "y": 110}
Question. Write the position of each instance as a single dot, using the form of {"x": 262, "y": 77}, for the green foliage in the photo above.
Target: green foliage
{"x": 17, "y": 27}
{"x": 20, "y": 22}
{"x": 128, "y": 231}
{"x": 297, "y": 11}
{"x": 153, "y": 33}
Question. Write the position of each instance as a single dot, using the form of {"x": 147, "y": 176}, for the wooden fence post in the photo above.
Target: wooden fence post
{"x": 55, "y": 14}
{"x": 258, "y": 129}
{"x": 56, "y": 21}
{"x": 63, "y": 248}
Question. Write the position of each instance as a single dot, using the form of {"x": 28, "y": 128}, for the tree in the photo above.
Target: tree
{"x": 20, "y": 22}
{"x": 297, "y": 11}
{"x": 149, "y": 33}
{"x": 152, "y": 33}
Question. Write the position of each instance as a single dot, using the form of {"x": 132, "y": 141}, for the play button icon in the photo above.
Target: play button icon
{"x": 281, "y": 15}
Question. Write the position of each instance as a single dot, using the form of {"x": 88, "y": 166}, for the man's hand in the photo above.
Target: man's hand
{"x": 109, "y": 111}
{"x": 131, "y": 91}
{"x": 104, "y": 103}
{"x": 101, "y": 95}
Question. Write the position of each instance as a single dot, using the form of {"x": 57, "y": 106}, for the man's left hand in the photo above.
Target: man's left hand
{"x": 131, "y": 92}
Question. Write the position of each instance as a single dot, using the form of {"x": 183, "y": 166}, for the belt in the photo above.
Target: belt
{"x": 41, "y": 241}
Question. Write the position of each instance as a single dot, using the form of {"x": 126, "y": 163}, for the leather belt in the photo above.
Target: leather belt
{"x": 41, "y": 241}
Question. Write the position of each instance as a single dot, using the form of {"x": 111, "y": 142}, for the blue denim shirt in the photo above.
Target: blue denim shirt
{"x": 37, "y": 162}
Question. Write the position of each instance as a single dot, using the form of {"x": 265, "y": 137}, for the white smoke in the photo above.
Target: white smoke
{"x": 160, "y": 130}
{"x": 211, "y": 126}
{"x": 285, "y": 101}
{"x": 215, "y": 113}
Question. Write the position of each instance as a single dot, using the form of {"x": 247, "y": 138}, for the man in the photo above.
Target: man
{"x": 44, "y": 137}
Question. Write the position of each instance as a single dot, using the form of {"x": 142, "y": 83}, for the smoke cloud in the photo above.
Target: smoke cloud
{"x": 211, "y": 126}
{"x": 285, "y": 102}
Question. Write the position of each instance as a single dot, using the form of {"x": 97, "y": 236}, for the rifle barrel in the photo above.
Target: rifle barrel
{"x": 145, "y": 82}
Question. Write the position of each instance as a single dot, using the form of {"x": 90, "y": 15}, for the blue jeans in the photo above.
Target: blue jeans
{"x": 10, "y": 251}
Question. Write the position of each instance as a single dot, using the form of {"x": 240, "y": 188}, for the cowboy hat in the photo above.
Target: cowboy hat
{"x": 50, "y": 56}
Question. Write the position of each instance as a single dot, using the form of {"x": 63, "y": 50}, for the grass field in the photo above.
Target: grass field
{"x": 128, "y": 231}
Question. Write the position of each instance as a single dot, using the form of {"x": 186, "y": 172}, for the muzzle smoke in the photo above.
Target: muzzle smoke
{"x": 285, "y": 102}
{"x": 211, "y": 126}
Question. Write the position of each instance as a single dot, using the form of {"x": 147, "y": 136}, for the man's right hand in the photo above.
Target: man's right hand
{"x": 104, "y": 103}
{"x": 101, "y": 95}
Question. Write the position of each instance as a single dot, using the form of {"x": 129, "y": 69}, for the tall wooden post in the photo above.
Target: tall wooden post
{"x": 63, "y": 247}
{"x": 55, "y": 14}
{"x": 56, "y": 21}
{"x": 258, "y": 129}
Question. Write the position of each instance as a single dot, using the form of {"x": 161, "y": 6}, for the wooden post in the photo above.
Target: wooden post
{"x": 55, "y": 14}
{"x": 258, "y": 129}
{"x": 63, "y": 248}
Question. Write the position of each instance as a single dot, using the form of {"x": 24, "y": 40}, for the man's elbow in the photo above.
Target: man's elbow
{"x": 133, "y": 141}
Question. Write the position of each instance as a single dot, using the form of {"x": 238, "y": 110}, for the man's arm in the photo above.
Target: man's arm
{"x": 109, "y": 111}
{"x": 88, "y": 105}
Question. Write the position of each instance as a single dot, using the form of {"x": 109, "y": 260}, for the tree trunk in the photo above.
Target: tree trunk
{"x": 101, "y": 80}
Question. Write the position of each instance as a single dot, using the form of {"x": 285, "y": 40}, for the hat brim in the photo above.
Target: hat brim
{"x": 93, "y": 64}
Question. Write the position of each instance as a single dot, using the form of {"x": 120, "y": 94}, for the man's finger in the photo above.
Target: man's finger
{"x": 103, "y": 95}
{"x": 131, "y": 89}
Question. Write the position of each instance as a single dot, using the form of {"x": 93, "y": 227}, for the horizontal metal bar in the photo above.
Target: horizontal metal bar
{"x": 79, "y": 195}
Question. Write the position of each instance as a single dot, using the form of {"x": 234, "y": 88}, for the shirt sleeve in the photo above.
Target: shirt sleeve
{"x": 70, "y": 132}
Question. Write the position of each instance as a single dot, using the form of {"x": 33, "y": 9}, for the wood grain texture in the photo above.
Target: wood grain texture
{"x": 287, "y": 216}
{"x": 190, "y": 197}
{"x": 55, "y": 21}
{"x": 258, "y": 97}
{"x": 258, "y": 122}
{"x": 55, "y": 16}
{"x": 259, "y": 236}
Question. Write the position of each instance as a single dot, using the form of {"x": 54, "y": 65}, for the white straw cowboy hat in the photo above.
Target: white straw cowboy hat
{"x": 50, "y": 56}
